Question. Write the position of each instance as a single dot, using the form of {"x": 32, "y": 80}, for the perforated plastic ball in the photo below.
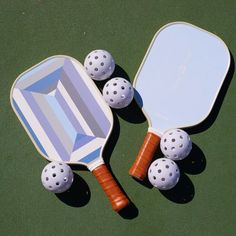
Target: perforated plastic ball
{"x": 99, "y": 64}
{"x": 118, "y": 92}
{"x": 176, "y": 144}
{"x": 57, "y": 177}
{"x": 163, "y": 174}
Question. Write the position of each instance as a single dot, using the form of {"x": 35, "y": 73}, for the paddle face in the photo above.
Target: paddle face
{"x": 63, "y": 111}
{"x": 180, "y": 76}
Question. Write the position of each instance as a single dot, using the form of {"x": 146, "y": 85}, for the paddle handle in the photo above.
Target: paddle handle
{"x": 117, "y": 198}
{"x": 140, "y": 166}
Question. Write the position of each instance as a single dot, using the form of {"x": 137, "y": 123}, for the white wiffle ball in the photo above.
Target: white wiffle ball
{"x": 163, "y": 174}
{"x": 176, "y": 144}
{"x": 118, "y": 92}
{"x": 57, "y": 177}
{"x": 99, "y": 64}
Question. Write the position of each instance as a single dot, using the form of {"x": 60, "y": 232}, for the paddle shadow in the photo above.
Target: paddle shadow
{"x": 111, "y": 142}
{"x": 182, "y": 193}
{"x": 130, "y": 211}
{"x": 207, "y": 123}
{"x": 78, "y": 195}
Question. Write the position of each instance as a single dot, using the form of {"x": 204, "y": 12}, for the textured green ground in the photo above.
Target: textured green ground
{"x": 204, "y": 201}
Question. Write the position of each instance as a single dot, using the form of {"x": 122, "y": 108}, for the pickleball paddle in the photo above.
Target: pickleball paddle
{"x": 177, "y": 83}
{"x": 67, "y": 118}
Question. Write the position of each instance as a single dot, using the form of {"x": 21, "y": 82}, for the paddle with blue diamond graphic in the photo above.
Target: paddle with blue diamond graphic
{"x": 66, "y": 118}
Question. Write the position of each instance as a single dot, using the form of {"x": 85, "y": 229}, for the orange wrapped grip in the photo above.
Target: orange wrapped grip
{"x": 145, "y": 155}
{"x": 110, "y": 187}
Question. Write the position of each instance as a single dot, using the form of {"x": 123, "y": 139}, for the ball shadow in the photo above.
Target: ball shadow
{"x": 195, "y": 163}
{"x": 78, "y": 195}
{"x": 131, "y": 113}
{"x": 118, "y": 72}
{"x": 182, "y": 193}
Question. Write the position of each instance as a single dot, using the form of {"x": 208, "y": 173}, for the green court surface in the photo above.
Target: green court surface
{"x": 203, "y": 203}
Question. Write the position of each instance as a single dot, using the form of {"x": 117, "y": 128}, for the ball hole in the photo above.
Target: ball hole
{"x": 167, "y": 167}
{"x": 62, "y": 170}
{"x": 53, "y": 167}
{"x": 103, "y": 72}
{"x": 96, "y": 69}
{"x": 114, "y": 84}
{"x": 159, "y": 171}
{"x": 115, "y": 92}
{"x": 125, "y": 81}
{"x": 163, "y": 179}
{"x": 65, "y": 179}
{"x": 104, "y": 56}
{"x": 50, "y": 186}
{"x": 172, "y": 148}
{"x": 173, "y": 140}
{"x": 156, "y": 164}
{"x": 88, "y": 57}
{"x": 165, "y": 140}
{"x": 181, "y": 145}
{"x": 96, "y": 57}
{"x": 47, "y": 178}
{"x": 92, "y": 74}
{"x": 170, "y": 133}
{"x": 54, "y": 175}
{"x": 60, "y": 164}
{"x": 172, "y": 163}
{"x": 170, "y": 174}
{"x": 150, "y": 171}
{"x": 176, "y": 170}
{"x": 111, "y": 100}
{"x": 181, "y": 136}
{"x": 163, "y": 160}
{"x": 107, "y": 92}
{"x": 154, "y": 177}
{"x": 45, "y": 170}
{"x": 57, "y": 183}
{"x": 102, "y": 64}
{"x": 122, "y": 87}
{"x": 165, "y": 148}
{"x": 107, "y": 85}
{"x": 90, "y": 63}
